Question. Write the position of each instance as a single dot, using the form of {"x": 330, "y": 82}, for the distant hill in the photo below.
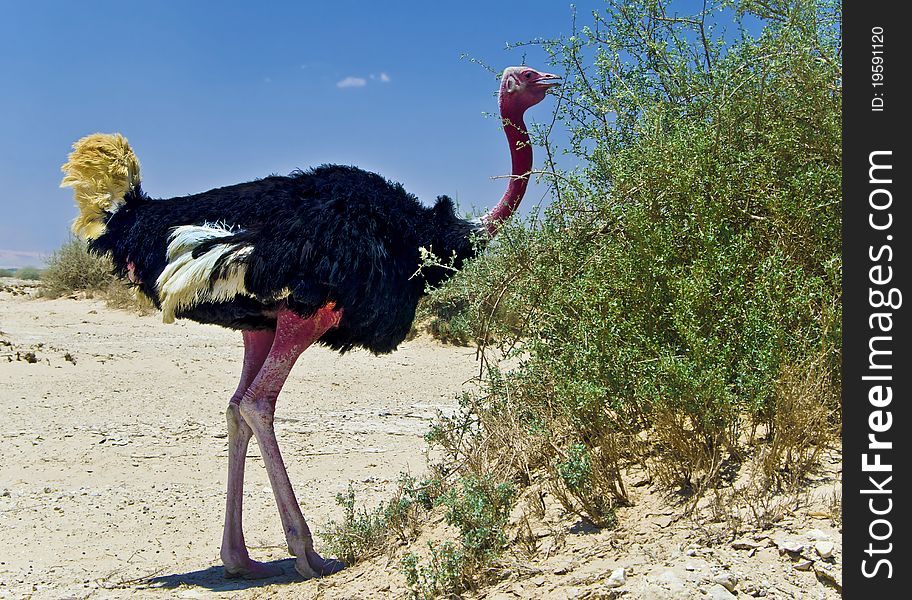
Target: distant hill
{"x": 16, "y": 259}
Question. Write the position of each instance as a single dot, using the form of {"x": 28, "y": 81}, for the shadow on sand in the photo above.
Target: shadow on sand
{"x": 214, "y": 579}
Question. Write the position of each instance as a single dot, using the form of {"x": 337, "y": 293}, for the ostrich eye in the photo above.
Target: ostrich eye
{"x": 528, "y": 75}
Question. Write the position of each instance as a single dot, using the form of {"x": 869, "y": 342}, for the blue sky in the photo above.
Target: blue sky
{"x": 214, "y": 93}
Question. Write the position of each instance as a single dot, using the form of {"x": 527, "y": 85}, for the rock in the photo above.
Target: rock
{"x": 663, "y": 521}
{"x": 571, "y": 593}
{"x": 804, "y": 565}
{"x": 591, "y": 571}
{"x": 691, "y": 552}
{"x": 768, "y": 554}
{"x": 718, "y": 592}
{"x": 617, "y": 579}
{"x": 791, "y": 546}
{"x": 726, "y": 580}
{"x": 672, "y": 582}
{"x": 824, "y": 548}
{"x": 752, "y": 589}
{"x": 816, "y": 535}
{"x": 564, "y": 567}
{"x": 745, "y": 544}
{"x": 828, "y": 575}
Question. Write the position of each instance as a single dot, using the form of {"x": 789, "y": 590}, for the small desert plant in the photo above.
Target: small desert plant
{"x": 479, "y": 508}
{"x": 442, "y": 573}
{"x": 363, "y": 533}
{"x": 71, "y": 268}
{"x": 834, "y": 507}
{"x": 580, "y": 484}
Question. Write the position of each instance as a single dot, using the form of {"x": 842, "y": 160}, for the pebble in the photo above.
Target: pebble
{"x": 565, "y": 566}
{"x": 752, "y": 589}
{"x": 824, "y": 549}
{"x": 830, "y": 576}
{"x": 745, "y": 544}
{"x": 591, "y": 571}
{"x": 790, "y": 546}
{"x": 816, "y": 534}
{"x": 726, "y": 580}
{"x": 804, "y": 565}
{"x": 670, "y": 580}
{"x": 617, "y": 579}
{"x": 718, "y": 592}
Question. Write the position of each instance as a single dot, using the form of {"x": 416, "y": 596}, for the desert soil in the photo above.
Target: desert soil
{"x": 113, "y": 474}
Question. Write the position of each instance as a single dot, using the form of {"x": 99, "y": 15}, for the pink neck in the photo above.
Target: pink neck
{"x": 521, "y": 154}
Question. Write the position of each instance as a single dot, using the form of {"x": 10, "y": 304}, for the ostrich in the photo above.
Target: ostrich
{"x": 329, "y": 256}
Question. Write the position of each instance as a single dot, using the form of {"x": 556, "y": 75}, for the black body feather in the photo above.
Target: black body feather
{"x": 334, "y": 234}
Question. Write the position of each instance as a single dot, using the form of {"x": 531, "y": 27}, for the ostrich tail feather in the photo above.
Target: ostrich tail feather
{"x": 102, "y": 169}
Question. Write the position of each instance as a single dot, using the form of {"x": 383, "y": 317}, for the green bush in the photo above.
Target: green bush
{"x": 681, "y": 293}
{"x": 686, "y": 268}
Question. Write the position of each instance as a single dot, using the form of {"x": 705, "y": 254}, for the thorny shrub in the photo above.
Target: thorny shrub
{"x": 677, "y": 307}
{"x": 685, "y": 283}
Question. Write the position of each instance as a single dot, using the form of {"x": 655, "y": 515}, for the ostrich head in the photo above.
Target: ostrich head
{"x": 522, "y": 88}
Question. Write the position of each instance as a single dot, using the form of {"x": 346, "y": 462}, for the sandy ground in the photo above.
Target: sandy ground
{"x": 113, "y": 474}
{"x": 114, "y": 445}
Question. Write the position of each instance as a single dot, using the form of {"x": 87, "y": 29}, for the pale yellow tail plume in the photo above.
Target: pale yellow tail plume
{"x": 101, "y": 169}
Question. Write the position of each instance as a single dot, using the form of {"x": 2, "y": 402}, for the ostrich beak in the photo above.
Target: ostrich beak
{"x": 547, "y": 80}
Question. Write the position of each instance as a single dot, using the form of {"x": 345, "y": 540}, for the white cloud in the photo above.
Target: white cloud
{"x": 349, "y": 82}
{"x": 385, "y": 78}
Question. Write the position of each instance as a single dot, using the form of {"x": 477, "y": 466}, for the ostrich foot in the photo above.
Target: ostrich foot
{"x": 251, "y": 569}
{"x": 312, "y": 565}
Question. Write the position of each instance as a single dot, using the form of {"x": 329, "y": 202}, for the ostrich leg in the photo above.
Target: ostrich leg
{"x": 234, "y": 551}
{"x": 257, "y": 407}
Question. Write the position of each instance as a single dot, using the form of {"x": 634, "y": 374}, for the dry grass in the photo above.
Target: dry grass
{"x": 684, "y": 454}
{"x": 803, "y": 422}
